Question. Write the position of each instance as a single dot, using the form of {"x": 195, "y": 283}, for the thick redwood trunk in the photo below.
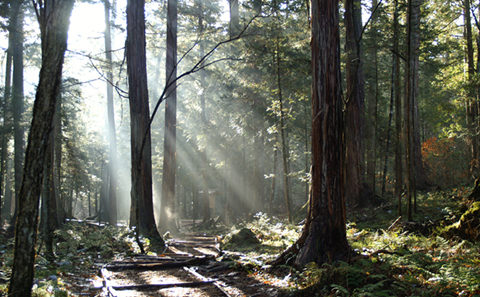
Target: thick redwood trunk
{"x": 326, "y": 239}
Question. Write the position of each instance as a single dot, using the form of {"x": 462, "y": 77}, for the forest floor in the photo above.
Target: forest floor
{"x": 391, "y": 259}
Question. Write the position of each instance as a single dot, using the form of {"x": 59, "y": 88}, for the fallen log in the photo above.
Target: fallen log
{"x": 216, "y": 283}
{"x": 147, "y": 287}
{"x": 159, "y": 266}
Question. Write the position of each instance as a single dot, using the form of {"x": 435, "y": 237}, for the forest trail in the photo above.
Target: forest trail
{"x": 190, "y": 266}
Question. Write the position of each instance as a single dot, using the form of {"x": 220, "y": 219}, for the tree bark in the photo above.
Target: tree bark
{"x": 54, "y": 23}
{"x": 355, "y": 102}
{"x": 326, "y": 235}
{"x": 168, "y": 213}
{"x": 112, "y": 141}
{"x": 141, "y": 214}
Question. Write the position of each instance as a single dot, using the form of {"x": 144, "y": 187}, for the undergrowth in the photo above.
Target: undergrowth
{"x": 79, "y": 249}
{"x": 387, "y": 263}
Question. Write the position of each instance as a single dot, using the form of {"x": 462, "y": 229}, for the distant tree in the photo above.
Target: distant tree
{"x": 355, "y": 101}
{"x": 17, "y": 95}
{"x": 398, "y": 109}
{"x": 141, "y": 214}
{"x": 411, "y": 78}
{"x": 6, "y": 128}
{"x": 112, "y": 141}
{"x": 53, "y": 17}
{"x": 472, "y": 105}
{"x": 234, "y": 24}
{"x": 373, "y": 94}
{"x": 168, "y": 217}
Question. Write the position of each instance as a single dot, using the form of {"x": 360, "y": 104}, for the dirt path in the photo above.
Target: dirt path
{"x": 189, "y": 267}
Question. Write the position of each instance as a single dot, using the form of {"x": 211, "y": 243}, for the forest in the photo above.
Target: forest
{"x": 239, "y": 148}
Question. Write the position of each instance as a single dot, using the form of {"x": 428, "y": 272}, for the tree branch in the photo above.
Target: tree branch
{"x": 197, "y": 67}
{"x": 369, "y": 19}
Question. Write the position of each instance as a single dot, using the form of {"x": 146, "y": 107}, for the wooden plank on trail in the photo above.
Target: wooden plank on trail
{"x": 159, "y": 266}
{"x": 147, "y": 287}
{"x": 216, "y": 283}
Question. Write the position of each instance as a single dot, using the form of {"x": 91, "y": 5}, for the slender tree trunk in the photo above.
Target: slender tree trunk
{"x": 6, "y": 126}
{"x": 389, "y": 126}
{"x": 168, "y": 216}
{"x": 413, "y": 41}
{"x": 354, "y": 150}
{"x": 471, "y": 104}
{"x": 373, "y": 107}
{"x": 17, "y": 97}
{"x": 282, "y": 127}
{"x": 112, "y": 193}
{"x": 54, "y": 22}
{"x": 274, "y": 175}
{"x": 57, "y": 159}
{"x": 8, "y": 188}
{"x": 141, "y": 214}
{"x": 398, "y": 112}
{"x": 324, "y": 234}
{"x": 307, "y": 152}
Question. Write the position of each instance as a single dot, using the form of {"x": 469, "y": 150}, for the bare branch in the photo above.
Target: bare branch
{"x": 369, "y": 19}
{"x": 197, "y": 67}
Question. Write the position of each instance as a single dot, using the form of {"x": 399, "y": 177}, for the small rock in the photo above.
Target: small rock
{"x": 52, "y": 277}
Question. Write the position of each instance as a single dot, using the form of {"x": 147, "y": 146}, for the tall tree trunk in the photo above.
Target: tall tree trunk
{"x": 141, "y": 214}
{"x": 54, "y": 23}
{"x": 413, "y": 41}
{"x": 168, "y": 215}
{"x": 274, "y": 175}
{"x": 17, "y": 97}
{"x": 203, "y": 115}
{"x": 398, "y": 112}
{"x": 324, "y": 233}
{"x": 354, "y": 150}
{"x": 112, "y": 193}
{"x": 389, "y": 126}
{"x": 283, "y": 140}
{"x": 373, "y": 107}
{"x": 306, "y": 153}
{"x": 258, "y": 151}
{"x": 471, "y": 102}
{"x": 57, "y": 159}
{"x": 6, "y": 126}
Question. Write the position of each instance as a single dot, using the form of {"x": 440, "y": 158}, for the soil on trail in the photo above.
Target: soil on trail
{"x": 188, "y": 267}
